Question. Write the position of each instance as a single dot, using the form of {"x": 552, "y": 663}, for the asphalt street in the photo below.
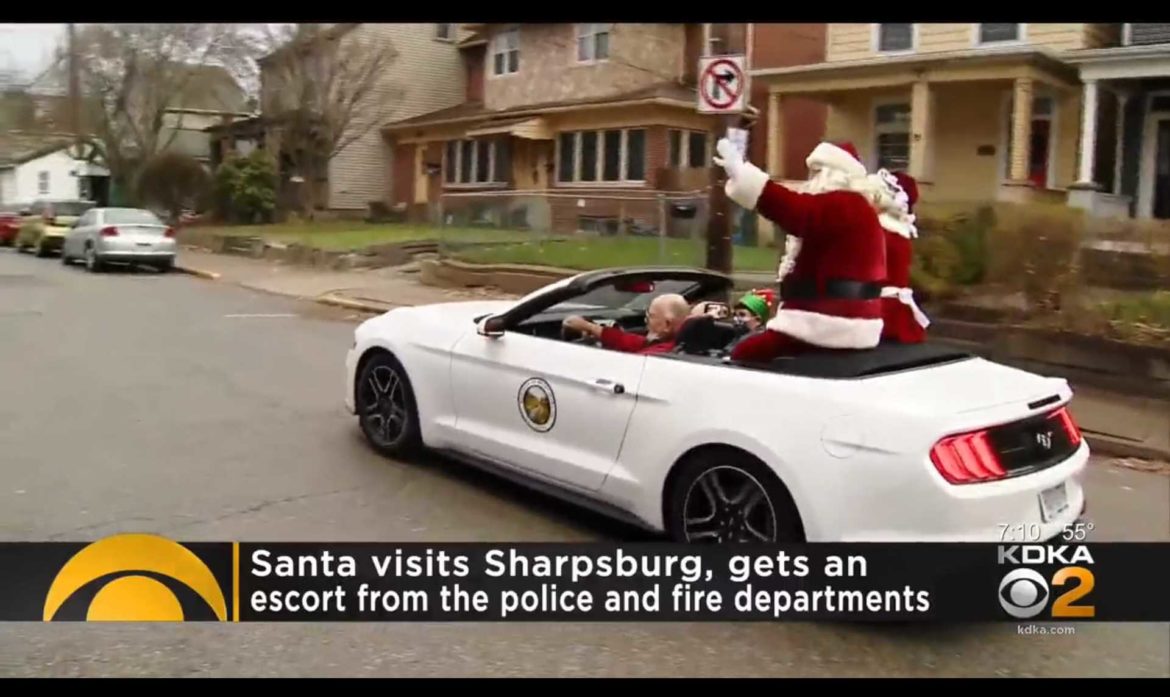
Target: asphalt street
{"x": 203, "y": 411}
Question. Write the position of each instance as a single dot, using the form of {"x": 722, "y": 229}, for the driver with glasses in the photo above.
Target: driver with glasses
{"x": 664, "y": 317}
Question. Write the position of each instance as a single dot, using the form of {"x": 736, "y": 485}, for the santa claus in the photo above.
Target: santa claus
{"x": 834, "y": 262}
{"x": 903, "y": 321}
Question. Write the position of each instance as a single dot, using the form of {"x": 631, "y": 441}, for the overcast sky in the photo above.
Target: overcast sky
{"x": 27, "y": 48}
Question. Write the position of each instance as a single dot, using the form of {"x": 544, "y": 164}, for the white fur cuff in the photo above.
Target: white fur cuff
{"x": 899, "y": 226}
{"x": 745, "y": 189}
{"x": 827, "y": 330}
{"x": 829, "y": 156}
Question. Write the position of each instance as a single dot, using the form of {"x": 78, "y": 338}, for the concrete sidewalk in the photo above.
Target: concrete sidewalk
{"x": 1118, "y": 425}
{"x": 374, "y": 290}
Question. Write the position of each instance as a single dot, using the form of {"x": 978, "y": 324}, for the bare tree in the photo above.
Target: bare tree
{"x": 323, "y": 88}
{"x": 133, "y": 76}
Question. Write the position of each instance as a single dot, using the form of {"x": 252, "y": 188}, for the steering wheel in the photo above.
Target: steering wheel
{"x": 576, "y": 337}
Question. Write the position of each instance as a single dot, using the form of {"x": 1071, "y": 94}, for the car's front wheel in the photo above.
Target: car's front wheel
{"x": 386, "y": 407}
{"x": 722, "y": 496}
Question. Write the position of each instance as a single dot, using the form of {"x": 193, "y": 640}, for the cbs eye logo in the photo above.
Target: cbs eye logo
{"x": 1024, "y": 593}
{"x": 135, "y": 578}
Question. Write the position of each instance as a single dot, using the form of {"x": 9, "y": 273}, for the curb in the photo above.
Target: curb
{"x": 350, "y": 304}
{"x": 1115, "y": 447}
{"x": 209, "y": 275}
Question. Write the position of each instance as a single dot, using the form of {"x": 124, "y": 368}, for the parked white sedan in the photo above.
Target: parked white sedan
{"x": 898, "y": 443}
{"x": 120, "y": 235}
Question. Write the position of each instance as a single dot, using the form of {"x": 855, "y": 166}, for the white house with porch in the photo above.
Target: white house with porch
{"x": 1126, "y": 121}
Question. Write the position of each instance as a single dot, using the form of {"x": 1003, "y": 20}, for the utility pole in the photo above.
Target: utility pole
{"x": 74, "y": 86}
{"x": 719, "y": 227}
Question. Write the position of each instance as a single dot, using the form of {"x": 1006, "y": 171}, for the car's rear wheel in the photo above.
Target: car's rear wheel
{"x": 386, "y": 407}
{"x": 93, "y": 262}
{"x": 725, "y": 496}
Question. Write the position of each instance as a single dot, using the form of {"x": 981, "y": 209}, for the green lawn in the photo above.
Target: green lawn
{"x": 345, "y": 235}
{"x": 533, "y": 248}
{"x": 604, "y": 252}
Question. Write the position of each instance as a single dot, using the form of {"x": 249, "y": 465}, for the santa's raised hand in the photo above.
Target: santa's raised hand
{"x": 729, "y": 157}
{"x": 745, "y": 181}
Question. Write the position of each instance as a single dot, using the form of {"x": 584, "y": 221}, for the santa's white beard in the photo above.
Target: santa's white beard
{"x": 825, "y": 180}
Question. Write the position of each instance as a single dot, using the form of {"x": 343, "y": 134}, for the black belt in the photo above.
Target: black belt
{"x": 835, "y": 289}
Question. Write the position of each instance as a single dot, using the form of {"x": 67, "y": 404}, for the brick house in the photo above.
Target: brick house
{"x": 572, "y": 127}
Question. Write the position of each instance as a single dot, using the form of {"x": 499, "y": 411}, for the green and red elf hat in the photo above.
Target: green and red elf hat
{"x": 755, "y": 305}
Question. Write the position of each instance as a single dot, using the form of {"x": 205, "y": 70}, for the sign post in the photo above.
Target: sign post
{"x": 723, "y": 89}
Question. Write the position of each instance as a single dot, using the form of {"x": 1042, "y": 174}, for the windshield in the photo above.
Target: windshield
{"x": 610, "y": 298}
{"x": 68, "y": 208}
{"x": 130, "y": 216}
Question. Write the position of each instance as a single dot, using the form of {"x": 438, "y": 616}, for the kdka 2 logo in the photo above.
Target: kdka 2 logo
{"x": 1025, "y": 593}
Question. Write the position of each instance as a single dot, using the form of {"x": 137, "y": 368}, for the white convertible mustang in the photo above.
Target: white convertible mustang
{"x": 896, "y": 443}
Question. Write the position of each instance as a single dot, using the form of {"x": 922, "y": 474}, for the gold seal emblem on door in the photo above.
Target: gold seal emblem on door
{"x": 538, "y": 406}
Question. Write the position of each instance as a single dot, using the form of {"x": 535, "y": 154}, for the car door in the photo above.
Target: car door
{"x": 74, "y": 243}
{"x": 553, "y": 409}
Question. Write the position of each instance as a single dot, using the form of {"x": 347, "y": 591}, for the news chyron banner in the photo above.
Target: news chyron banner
{"x": 139, "y": 577}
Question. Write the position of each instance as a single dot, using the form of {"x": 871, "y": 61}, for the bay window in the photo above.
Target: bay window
{"x": 608, "y": 155}
{"x": 687, "y": 148}
{"x": 470, "y": 162}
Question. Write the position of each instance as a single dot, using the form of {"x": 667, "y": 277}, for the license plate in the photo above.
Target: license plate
{"x": 1053, "y": 502}
{"x": 145, "y": 244}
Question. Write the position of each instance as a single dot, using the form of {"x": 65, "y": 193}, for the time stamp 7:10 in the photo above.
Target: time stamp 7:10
{"x": 1020, "y": 532}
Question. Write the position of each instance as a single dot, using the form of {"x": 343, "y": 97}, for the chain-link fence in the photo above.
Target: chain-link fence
{"x": 592, "y": 229}
{"x": 579, "y": 230}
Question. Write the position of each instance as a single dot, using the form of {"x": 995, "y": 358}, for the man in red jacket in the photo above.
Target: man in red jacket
{"x": 664, "y": 317}
{"x": 903, "y": 321}
{"x": 835, "y": 260}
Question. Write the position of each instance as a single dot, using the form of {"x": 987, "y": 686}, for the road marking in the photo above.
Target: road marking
{"x": 251, "y": 315}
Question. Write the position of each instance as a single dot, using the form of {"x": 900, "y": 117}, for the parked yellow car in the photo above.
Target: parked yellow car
{"x": 46, "y": 224}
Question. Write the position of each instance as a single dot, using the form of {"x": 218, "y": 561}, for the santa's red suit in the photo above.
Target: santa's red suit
{"x": 903, "y": 321}
{"x": 834, "y": 261}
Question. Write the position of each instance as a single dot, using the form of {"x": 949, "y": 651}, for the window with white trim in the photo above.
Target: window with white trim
{"x": 892, "y": 136}
{"x": 610, "y": 155}
{"x": 445, "y": 32}
{"x": 592, "y": 42}
{"x": 1040, "y": 149}
{"x": 687, "y": 148}
{"x": 42, "y": 182}
{"x": 506, "y": 52}
{"x": 469, "y": 162}
{"x": 998, "y": 33}
{"x": 895, "y": 37}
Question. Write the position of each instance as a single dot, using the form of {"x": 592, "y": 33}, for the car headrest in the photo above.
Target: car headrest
{"x": 702, "y": 334}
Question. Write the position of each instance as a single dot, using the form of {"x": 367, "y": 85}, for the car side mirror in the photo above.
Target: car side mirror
{"x": 491, "y": 326}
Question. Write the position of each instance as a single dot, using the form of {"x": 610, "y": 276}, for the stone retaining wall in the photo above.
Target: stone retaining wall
{"x": 376, "y": 256}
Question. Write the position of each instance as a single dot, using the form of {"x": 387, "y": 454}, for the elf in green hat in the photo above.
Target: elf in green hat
{"x": 752, "y": 311}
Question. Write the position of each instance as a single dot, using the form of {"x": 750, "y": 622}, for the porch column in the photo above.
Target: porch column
{"x": 1119, "y": 153}
{"x": 766, "y": 231}
{"x": 1088, "y": 150}
{"x": 1021, "y": 129}
{"x": 920, "y": 137}
{"x": 775, "y": 135}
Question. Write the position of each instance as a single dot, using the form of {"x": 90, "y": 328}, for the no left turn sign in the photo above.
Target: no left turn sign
{"x": 722, "y": 84}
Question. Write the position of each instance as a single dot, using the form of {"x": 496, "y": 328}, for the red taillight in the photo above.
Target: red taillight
{"x": 1070, "y": 427}
{"x": 110, "y": 231}
{"x": 170, "y": 232}
{"x": 966, "y": 458}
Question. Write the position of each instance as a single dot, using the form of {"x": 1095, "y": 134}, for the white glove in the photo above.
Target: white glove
{"x": 729, "y": 157}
